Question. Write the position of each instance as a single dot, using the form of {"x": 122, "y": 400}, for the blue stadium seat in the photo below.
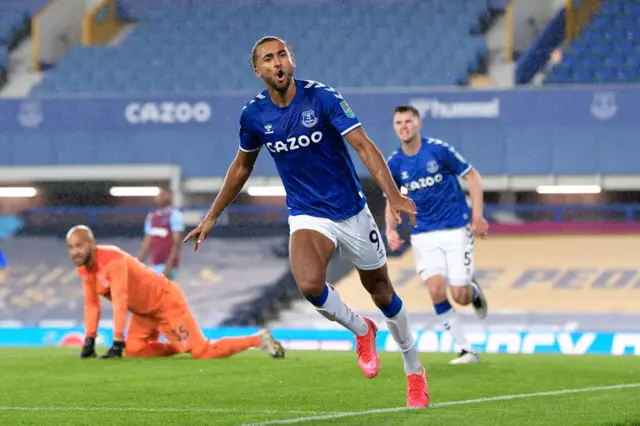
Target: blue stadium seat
{"x": 184, "y": 45}
{"x": 14, "y": 18}
{"x": 607, "y": 51}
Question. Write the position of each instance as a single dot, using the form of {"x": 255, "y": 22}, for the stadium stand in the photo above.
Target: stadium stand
{"x": 15, "y": 25}
{"x": 216, "y": 280}
{"x": 4, "y": 61}
{"x": 15, "y": 20}
{"x": 173, "y": 48}
{"x": 538, "y": 290}
{"x": 607, "y": 51}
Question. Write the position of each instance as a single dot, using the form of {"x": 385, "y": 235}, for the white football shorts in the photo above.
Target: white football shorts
{"x": 358, "y": 237}
{"x": 447, "y": 252}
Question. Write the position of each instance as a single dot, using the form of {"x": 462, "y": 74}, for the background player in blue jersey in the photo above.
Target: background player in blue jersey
{"x": 428, "y": 170}
{"x": 4, "y": 265}
{"x": 302, "y": 125}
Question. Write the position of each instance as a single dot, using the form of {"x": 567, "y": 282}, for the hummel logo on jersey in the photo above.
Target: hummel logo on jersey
{"x": 268, "y": 129}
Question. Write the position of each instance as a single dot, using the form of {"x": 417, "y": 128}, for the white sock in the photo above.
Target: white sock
{"x": 400, "y": 330}
{"x": 452, "y": 324}
{"x": 334, "y": 309}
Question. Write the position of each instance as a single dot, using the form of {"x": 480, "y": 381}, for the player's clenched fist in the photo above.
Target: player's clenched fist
{"x": 199, "y": 233}
{"x": 401, "y": 204}
{"x": 479, "y": 227}
{"x": 394, "y": 240}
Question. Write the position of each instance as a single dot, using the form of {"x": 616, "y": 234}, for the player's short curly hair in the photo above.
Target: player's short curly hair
{"x": 263, "y": 40}
{"x": 407, "y": 108}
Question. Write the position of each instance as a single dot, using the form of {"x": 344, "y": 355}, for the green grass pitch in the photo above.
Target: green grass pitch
{"x": 52, "y": 386}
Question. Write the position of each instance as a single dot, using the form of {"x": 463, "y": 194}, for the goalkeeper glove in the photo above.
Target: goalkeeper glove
{"x": 115, "y": 351}
{"x": 88, "y": 350}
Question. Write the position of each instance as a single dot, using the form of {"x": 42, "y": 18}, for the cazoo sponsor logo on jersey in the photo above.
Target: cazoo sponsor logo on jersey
{"x": 294, "y": 143}
{"x": 167, "y": 112}
{"x": 426, "y": 182}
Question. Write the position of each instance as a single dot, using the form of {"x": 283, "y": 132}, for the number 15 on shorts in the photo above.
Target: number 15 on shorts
{"x": 180, "y": 334}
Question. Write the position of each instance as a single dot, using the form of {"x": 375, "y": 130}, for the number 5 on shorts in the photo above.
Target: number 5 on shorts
{"x": 467, "y": 258}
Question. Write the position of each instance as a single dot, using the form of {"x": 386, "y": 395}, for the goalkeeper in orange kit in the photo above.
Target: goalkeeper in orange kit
{"x": 157, "y": 306}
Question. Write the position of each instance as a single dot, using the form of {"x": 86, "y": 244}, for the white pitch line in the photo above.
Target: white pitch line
{"x": 194, "y": 410}
{"x": 443, "y": 404}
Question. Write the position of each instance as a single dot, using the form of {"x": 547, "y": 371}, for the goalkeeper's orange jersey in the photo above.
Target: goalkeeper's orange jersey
{"x": 126, "y": 282}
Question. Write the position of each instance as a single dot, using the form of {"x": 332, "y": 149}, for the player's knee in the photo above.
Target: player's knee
{"x": 437, "y": 288}
{"x": 311, "y": 281}
{"x": 311, "y": 289}
{"x": 198, "y": 353}
{"x": 438, "y": 295}
{"x": 134, "y": 350}
{"x": 461, "y": 294}
{"x": 310, "y": 255}
{"x": 201, "y": 348}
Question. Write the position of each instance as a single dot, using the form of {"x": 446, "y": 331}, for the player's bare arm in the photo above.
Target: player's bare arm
{"x": 91, "y": 310}
{"x": 144, "y": 248}
{"x": 479, "y": 225}
{"x": 173, "y": 254}
{"x": 237, "y": 175}
{"x": 118, "y": 273}
{"x": 91, "y": 319}
{"x": 375, "y": 162}
{"x": 393, "y": 237}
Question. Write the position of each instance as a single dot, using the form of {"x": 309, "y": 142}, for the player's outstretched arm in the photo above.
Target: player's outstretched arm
{"x": 375, "y": 162}
{"x": 176, "y": 222}
{"x": 144, "y": 248}
{"x": 373, "y": 159}
{"x": 237, "y": 175}
{"x": 478, "y": 223}
{"x": 91, "y": 318}
{"x": 390, "y": 221}
{"x": 239, "y": 172}
{"x": 393, "y": 237}
{"x": 118, "y": 273}
{"x": 146, "y": 241}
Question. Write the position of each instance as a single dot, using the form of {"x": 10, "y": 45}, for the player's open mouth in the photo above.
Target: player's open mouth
{"x": 280, "y": 75}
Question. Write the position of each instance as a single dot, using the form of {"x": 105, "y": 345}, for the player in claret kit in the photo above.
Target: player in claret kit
{"x": 163, "y": 233}
{"x": 428, "y": 169}
{"x": 157, "y": 306}
{"x": 302, "y": 124}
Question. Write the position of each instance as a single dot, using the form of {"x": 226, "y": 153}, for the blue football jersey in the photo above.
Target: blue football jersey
{"x": 430, "y": 179}
{"x": 306, "y": 142}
